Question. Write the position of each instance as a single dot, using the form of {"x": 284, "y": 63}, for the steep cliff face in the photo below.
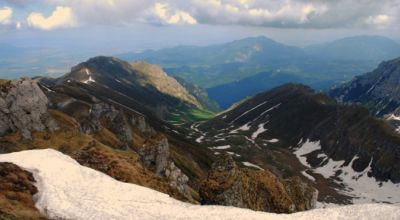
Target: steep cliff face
{"x": 378, "y": 90}
{"x": 23, "y": 107}
{"x": 227, "y": 184}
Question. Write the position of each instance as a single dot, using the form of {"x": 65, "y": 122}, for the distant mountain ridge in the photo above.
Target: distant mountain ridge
{"x": 239, "y": 51}
{"x": 216, "y": 65}
{"x": 357, "y": 48}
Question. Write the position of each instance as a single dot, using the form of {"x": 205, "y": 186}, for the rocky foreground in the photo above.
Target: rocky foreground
{"x": 67, "y": 190}
{"x": 130, "y": 144}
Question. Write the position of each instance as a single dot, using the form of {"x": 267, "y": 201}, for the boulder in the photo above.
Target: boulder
{"x": 23, "y": 107}
{"x": 260, "y": 190}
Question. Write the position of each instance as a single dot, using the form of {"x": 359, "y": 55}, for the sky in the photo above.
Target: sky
{"x": 125, "y": 25}
{"x": 54, "y": 35}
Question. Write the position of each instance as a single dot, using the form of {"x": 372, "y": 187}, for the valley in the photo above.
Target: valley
{"x": 199, "y": 109}
{"x": 137, "y": 124}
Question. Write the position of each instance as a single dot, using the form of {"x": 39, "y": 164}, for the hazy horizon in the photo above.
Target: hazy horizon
{"x": 73, "y": 30}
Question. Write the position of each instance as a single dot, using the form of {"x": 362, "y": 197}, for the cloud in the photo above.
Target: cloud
{"x": 107, "y": 12}
{"x": 378, "y": 20}
{"x": 256, "y": 13}
{"x": 163, "y": 14}
{"x": 312, "y": 14}
{"x": 317, "y": 14}
{"x": 60, "y": 18}
{"x": 18, "y": 25}
{"x": 5, "y": 15}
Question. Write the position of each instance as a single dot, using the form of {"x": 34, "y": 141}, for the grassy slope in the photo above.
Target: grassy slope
{"x": 185, "y": 115}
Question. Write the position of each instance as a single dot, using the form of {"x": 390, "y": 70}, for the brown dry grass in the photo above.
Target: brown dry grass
{"x": 16, "y": 190}
{"x": 98, "y": 151}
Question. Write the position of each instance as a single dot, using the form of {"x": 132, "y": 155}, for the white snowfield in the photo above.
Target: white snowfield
{"x": 68, "y": 190}
{"x": 359, "y": 185}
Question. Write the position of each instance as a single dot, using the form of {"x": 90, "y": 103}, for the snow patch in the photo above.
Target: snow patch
{"x": 272, "y": 141}
{"x": 233, "y": 154}
{"x": 244, "y": 127}
{"x": 248, "y": 164}
{"x": 393, "y": 117}
{"x": 358, "y": 185}
{"x": 221, "y": 147}
{"x": 248, "y": 111}
{"x": 306, "y": 148}
{"x": 90, "y": 77}
{"x": 200, "y": 139}
{"x": 308, "y": 176}
{"x": 68, "y": 190}
{"x": 270, "y": 109}
{"x": 89, "y": 80}
{"x": 260, "y": 130}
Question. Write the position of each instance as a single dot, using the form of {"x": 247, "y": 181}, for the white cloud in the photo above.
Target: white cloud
{"x": 18, "y": 25}
{"x": 320, "y": 14}
{"x": 256, "y": 12}
{"x": 163, "y": 14}
{"x": 378, "y": 20}
{"x": 5, "y": 15}
{"x": 60, "y": 18}
{"x": 109, "y": 12}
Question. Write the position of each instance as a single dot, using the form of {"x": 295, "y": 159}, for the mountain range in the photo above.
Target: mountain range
{"x": 135, "y": 123}
{"x": 251, "y": 64}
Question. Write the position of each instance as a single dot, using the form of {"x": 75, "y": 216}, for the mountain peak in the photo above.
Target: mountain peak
{"x": 263, "y": 40}
{"x": 121, "y": 75}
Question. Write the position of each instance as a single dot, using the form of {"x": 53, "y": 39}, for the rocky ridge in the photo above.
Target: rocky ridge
{"x": 377, "y": 90}
{"x": 260, "y": 190}
{"x": 23, "y": 107}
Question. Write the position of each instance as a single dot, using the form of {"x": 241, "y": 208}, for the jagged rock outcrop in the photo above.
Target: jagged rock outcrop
{"x": 229, "y": 185}
{"x": 112, "y": 118}
{"x": 178, "y": 180}
{"x": 303, "y": 196}
{"x": 23, "y": 107}
{"x": 16, "y": 193}
{"x": 121, "y": 124}
{"x": 156, "y": 156}
{"x": 139, "y": 122}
